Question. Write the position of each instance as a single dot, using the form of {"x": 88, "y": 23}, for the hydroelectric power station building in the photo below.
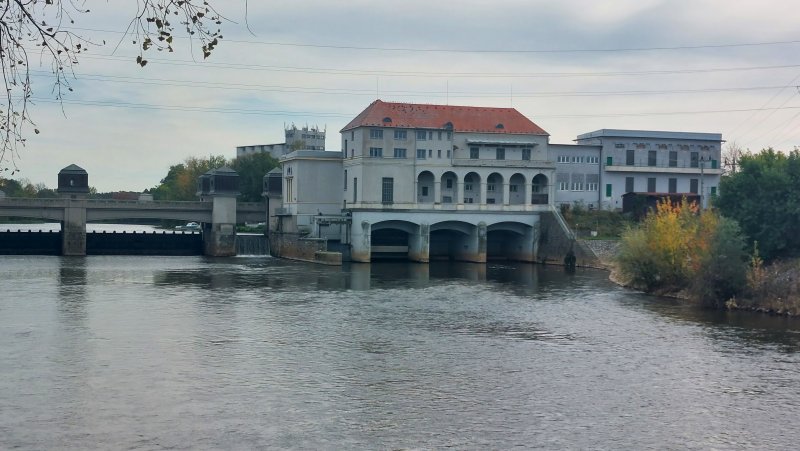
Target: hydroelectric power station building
{"x": 425, "y": 182}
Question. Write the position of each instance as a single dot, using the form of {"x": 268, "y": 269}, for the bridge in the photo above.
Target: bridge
{"x": 217, "y": 211}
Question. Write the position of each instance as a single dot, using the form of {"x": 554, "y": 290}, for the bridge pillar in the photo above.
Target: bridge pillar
{"x": 73, "y": 228}
{"x": 219, "y": 237}
{"x": 360, "y": 242}
{"x": 473, "y": 247}
{"x": 221, "y": 186}
{"x": 419, "y": 244}
{"x": 73, "y": 186}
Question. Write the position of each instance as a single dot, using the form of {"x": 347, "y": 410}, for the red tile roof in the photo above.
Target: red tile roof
{"x": 463, "y": 118}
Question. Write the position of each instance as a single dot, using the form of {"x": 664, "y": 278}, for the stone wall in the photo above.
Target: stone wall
{"x": 296, "y": 247}
{"x": 554, "y": 244}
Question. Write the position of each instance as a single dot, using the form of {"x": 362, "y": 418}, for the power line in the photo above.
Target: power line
{"x": 387, "y": 73}
{"x": 484, "y": 51}
{"x": 368, "y": 92}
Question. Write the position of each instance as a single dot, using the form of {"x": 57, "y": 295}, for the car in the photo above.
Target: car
{"x": 188, "y": 226}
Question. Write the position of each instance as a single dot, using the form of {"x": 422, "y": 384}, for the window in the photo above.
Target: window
{"x": 399, "y": 153}
{"x": 608, "y": 190}
{"x": 526, "y": 154}
{"x": 468, "y": 200}
{"x": 577, "y": 186}
{"x": 430, "y": 136}
{"x": 376, "y": 152}
{"x": 355, "y": 189}
{"x": 651, "y": 185}
{"x": 693, "y": 183}
{"x": 421, "y": 135}
{"x": 713, "y": 191}
{"x": 468, "y": 187}
{"x": 375, "y": 133}
{"x": 512, "y": 188}
{"x": 501, "y": 153}
{"x": 439, "y": 153}
{"x": 424, "y": 190}
{"x": 490, "y": 187}
{"x": 563, "y": 159}
{"x": 629, "y": 184}
{"x": 447, "y": 199}
{"x": 490, "y": 200}
{"x": 673, "y": 158}
{"x": 563, "y": 186}
{"x": 439, "y": 136}
{"x": 400, "y": 135}
{"x": 345, "y": 179}
{"x": 673, "y": 185}
{"x": 420, "y": 154}
{"x": 619, "y": 146}
{"x": 387, "y": 195}
{"x": 629, "y": 157}
{"x": 694, "y": 159}
{"x": 592, "y": 159}
{"x": 591, "y": 187}
{"x": 430, "y": 153}
{"x": 651, "y": 157}
{"x": 449, "y": 183}
{"x": 474, "y": 153}
{"x": 449, "y": 136}
{"x": 448, "y": 153}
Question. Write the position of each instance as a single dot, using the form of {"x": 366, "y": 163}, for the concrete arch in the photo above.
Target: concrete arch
{"x": 540, "y": 188}
{"x": 425, "y": 187}
{"x": 458, "y": 226}
{"x": 494, "y": 188}
{"x": 515, "y": 227}
{"x": 516, "y": 189}
{"x": 449, "y": 188}
{"x": 405, "y": 226}
{"x": 472, "y": 188}
{"x": 511, "y": 240}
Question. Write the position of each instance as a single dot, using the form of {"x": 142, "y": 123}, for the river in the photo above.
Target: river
{"x": 255, "y": 352}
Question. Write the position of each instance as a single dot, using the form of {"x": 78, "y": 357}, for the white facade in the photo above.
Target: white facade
{"x": 655, "y": 162}
{"x": 312, "y": 181}
{"x": 577, "y": 174}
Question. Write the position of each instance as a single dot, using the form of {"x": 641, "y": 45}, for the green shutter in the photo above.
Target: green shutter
{"x": 713, "y": 164}
{"x": 608, "y": 188}
{"x": 713, "y": 191}
{"x": 609, "y": 162}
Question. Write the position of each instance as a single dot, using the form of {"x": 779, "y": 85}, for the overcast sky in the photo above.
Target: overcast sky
{"x": 571, "y": 66}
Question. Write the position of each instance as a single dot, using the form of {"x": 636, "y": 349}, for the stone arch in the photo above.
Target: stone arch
{"x": 449, "y": 188}
{"x": 472, "y": 188}
{"x": 516, "y": 189}
{"x": 540, "y": 189}
{"x": 454, "y": 240}
{"x": 494, "y": 188}
{"x": 425, "y": 187}
{"x": 510, "y": 240}
{"x": 390, "y": 239}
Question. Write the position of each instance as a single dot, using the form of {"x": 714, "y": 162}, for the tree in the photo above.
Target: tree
{"x": 731, "y": 156}
{"x": 252, "y": 169}
{"x": 763, "y": 196}
{"x": 37, "y": 30}
{"x": 181, "y": 180}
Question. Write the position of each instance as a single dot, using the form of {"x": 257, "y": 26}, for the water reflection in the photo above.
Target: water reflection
{"x": 72, "y": 287}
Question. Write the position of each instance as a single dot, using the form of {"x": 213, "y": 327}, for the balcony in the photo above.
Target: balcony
{"x": 665, "y": 168}
{"x": 484, "y": 163}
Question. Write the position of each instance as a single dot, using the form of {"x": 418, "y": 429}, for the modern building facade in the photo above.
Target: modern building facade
{"x": 644, "y": 161}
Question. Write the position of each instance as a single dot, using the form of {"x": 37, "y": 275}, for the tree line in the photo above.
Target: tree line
{"x": 743, "y": 252}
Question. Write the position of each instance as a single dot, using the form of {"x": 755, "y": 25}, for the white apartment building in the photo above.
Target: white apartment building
{"x": 646, "y": 161}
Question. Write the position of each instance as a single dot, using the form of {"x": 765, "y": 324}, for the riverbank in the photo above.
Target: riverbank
{"x": 774, "y": 290}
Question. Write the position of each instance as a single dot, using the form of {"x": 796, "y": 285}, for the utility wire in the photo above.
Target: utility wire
{"x": 483, "y": 51}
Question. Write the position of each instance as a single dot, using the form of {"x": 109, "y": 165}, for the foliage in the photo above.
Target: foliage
{"x": 180, "y": 182}
{"x": 252, "y": 169}
{"x": 676, "y": 248}
{"x": 764, "y": 198}
{"x": 41, "y": 28}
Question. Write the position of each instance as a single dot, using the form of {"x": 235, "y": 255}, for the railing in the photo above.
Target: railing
{"x": 532, "y": 164}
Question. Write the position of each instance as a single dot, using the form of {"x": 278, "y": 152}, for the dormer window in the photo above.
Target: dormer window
{"x": 499, "y": 126}
{"x": 387, "y": 120}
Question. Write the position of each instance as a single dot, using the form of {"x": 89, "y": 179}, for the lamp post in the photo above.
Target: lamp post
{"x": 703, "y": 160}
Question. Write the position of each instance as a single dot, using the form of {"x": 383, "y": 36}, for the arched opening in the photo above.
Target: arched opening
{"x": 494, "y": 189}
{"x": 389, "y": 240}
{"x": 449, "y": 188}
{"x": 539, "y": 190}
{"x": 472, "y": 188}
{"x": 425, "y": 194}
{"x": 516, "y": 190}
{"x": 451, "y": 240}
{"x": 509, "y": 241}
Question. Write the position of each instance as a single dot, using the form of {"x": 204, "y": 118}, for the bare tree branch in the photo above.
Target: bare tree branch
{"x": 26, "y": 25}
